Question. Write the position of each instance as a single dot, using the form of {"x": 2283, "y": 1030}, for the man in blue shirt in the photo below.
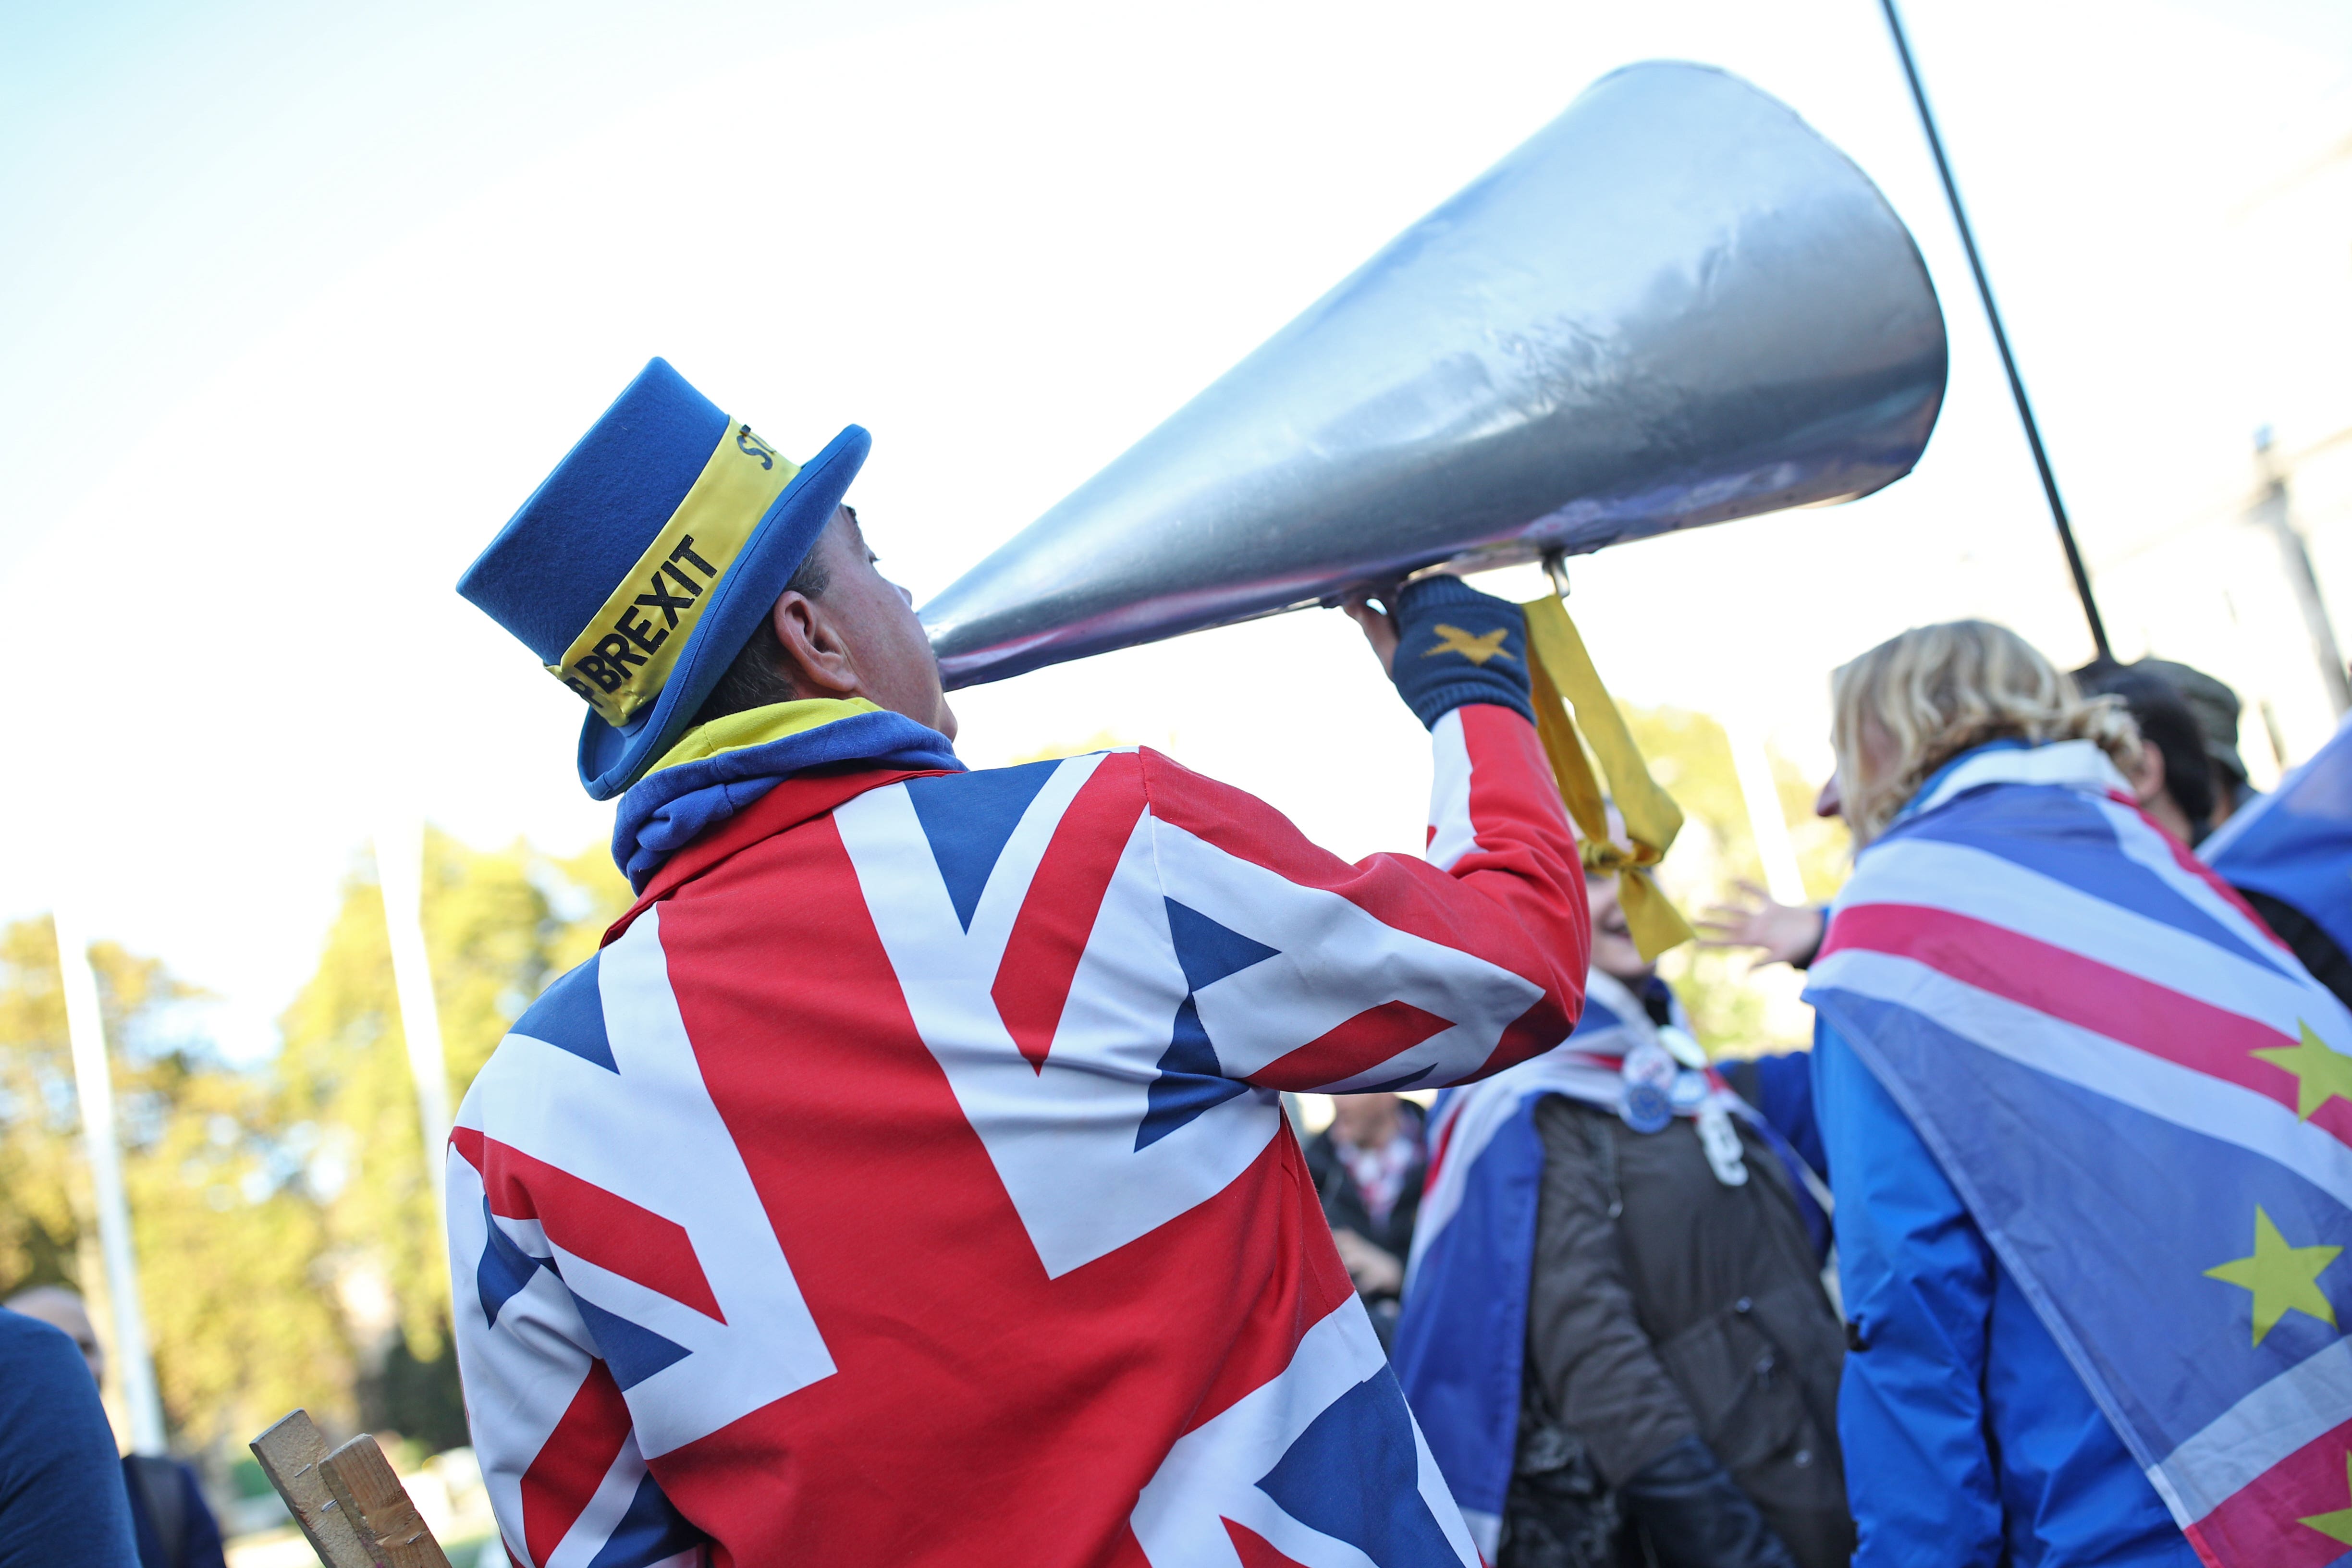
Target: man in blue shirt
{"x": 170, "y": 1522}
{"x": 61, "y": 1499}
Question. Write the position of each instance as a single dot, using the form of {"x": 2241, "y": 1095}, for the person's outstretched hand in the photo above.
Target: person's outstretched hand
{"x": 1788, "y": 933}
{"x": 1376, "y": 1270}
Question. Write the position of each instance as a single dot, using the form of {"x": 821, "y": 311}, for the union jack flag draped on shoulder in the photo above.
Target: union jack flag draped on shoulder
{"x": 2144, "y": 1102}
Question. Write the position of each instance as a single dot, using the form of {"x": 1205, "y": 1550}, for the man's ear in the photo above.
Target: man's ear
{"x": 818, "y": 657}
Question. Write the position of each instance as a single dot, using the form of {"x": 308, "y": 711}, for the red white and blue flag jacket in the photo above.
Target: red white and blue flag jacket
{"x": 906, "y": 1180}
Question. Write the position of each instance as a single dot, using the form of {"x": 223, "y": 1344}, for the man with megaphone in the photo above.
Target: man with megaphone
{"x": 906, "y": 1180}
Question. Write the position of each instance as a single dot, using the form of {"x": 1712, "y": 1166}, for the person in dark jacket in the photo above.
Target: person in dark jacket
{"x": 2296, "y": 851}
{"x": 2176, "y": 777}
{"x": 1643, "y": 1236}
{"x": 1367, "y": 1166}
{"x": 1677, "y": 1329}
{"x": 61, "y": 1499}
{"x": 169, "y": 1520}
{"x": 2216, "y": 708}
{"x": 2290, "y": 856}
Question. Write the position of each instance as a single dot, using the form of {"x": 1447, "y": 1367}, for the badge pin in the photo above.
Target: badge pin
{"x": 1649, "y": 1074}
{"x": 1645, "y": 1108}
{"x": 1647, "y": 1062}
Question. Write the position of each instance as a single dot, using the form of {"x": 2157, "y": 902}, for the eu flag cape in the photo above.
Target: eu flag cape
{"x": 2295, "y": 844}
{"x": 2145, "y": 1103}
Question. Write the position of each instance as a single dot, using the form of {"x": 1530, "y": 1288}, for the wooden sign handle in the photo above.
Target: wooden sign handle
{"x": 373, "y": 1498}
{"x": 351, "y": 1507}
{"x": 290, "y": 1454}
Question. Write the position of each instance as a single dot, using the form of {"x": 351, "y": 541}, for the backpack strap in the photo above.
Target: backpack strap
{"x": 164, "y": 1492}
{"x": 1602, "y": 1139}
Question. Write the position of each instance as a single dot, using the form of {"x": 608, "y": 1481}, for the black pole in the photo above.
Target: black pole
{"x": 2000, "y": 339}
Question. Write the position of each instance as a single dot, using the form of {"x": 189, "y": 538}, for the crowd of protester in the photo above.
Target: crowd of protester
{"x": 1715, "y": 1371}
{"x": 1690, "y": 1394}
{"x": 1368, "y": 1164}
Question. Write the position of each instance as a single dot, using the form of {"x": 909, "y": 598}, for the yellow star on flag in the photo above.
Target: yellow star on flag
{"x": 2283, "y": 1279}
{"x": 1477, "y": 650}
{"x": 2319, "y": 1069}
{"x": 2336, "y": 1526}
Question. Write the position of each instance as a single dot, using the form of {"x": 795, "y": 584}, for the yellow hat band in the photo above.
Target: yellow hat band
{"x": 622, "y": 660}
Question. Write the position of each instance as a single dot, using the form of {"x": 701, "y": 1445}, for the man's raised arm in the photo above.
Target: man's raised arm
{"x": 1311, "y": 973}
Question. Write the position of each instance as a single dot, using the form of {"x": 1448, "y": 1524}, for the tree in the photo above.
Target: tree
{"x": 498, "y": 925}
{"x": 288, "y": 1252}
{"x": 224, "y": 1252}
{"x": 43, "y": 1197}
{"x": 230, "y": 1250}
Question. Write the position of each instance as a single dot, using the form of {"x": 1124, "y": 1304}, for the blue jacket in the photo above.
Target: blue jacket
{"x": 1968, "y": 1437}
{"x": 61, "y": 1499}
{"x": 1780, "y": 1087}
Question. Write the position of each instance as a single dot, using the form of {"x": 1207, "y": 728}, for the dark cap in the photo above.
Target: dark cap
{"x": 2216, "y": 708}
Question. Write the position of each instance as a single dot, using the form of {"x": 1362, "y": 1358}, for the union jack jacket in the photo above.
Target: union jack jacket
{"x": 907, "y": 1182}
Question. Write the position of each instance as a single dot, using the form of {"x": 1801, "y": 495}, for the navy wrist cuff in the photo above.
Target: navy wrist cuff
{"x": 1456, "y": 646}
{"x": 1432, "y": 705}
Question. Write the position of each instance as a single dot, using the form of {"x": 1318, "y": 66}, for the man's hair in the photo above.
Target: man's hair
{"x": 756, "y": 677}
{"x": 38, "y": 1296}
{"x": 1937, "y": 691}
{"x": 2165, "y": 722}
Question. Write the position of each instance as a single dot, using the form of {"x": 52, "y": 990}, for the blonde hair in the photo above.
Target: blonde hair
{"x": 1935, "y": 691}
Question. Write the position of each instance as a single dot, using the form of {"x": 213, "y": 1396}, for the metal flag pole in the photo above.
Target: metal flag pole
{"x": 400, "y": 875}
{"x": 2000, "y": 336}
{"x": 1751, "y": 763}
{"x": 2271, "y": 510}
{"x": 94, "y": 1087}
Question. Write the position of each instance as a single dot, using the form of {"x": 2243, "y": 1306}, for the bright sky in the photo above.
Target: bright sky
{"x": 297, "y": 303}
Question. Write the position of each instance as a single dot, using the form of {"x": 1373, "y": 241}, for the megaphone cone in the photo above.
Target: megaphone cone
{"x": 1674, "y": 305}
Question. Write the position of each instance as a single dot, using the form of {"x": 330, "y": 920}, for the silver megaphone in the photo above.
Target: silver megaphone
{"x": 1674, "y": 305}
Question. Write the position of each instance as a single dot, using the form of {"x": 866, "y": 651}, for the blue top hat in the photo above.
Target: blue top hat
{"x": 641, "y": 566}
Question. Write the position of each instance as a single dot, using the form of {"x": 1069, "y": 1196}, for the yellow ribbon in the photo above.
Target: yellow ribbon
{"x": 1558, "y": 668}
{"x": 622, "y": 659}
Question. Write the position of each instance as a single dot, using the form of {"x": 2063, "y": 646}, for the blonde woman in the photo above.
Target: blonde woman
{"x": 2087, "y": 1129}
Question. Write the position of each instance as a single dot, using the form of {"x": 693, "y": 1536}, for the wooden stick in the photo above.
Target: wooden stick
{"x": 372, "y": 1497}
{"x": 290, "y": 1454}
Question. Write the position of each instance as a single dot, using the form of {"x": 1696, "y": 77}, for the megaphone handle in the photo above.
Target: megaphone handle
{"x": 1555, "y": 565}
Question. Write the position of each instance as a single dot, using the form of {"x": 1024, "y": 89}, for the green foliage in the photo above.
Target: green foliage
{"x": 42, "y": 1193}
{"x": 344, "y": 1069}
{"x": 229, "y": 1260}
{"x": 498, "y": 926}
{"x": 1734, "y": 1013}
{"x": 224, "y": 1253}
{"x": 288, "y": 1246}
